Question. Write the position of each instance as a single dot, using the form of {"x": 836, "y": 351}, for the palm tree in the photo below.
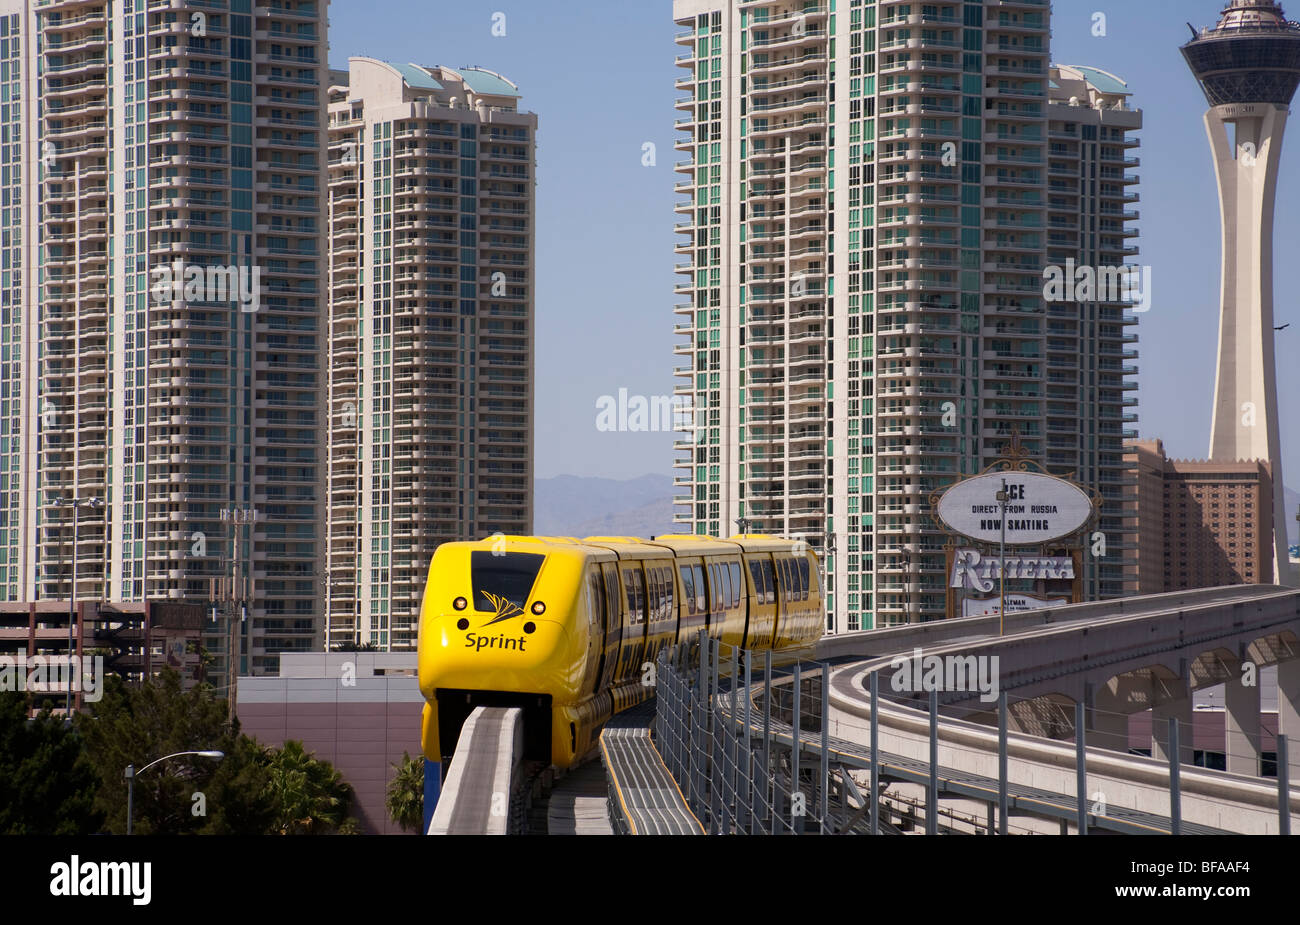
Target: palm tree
{"x": 406, "y": 794}
{"x": 310, "y": 796}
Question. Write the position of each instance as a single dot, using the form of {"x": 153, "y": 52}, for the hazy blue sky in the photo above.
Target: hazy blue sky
{"x": 600, "y": 77}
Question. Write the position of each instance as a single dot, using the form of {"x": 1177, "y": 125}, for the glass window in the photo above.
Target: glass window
{"x": 656, "y": 596}
{"x": 756, "y": 573}
{"x": 498, "y": 579}
{"x": 737, "y": 584}
{"x": 688, "y": 588}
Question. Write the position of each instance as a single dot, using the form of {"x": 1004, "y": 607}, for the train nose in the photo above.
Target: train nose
{"x": 475, "y": 652}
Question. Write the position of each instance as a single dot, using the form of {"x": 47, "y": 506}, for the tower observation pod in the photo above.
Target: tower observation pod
{"x": 1249, "y": 68}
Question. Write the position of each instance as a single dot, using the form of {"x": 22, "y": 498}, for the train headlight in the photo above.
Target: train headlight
{"x": 539, "y": 608}
{"x": 460, "y": 603}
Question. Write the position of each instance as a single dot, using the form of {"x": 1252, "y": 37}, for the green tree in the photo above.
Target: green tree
{"x": 186, "y": 795}
{"x": 47, "y": 787}
{"x": 310, "y": 796}
{"x": 405, "y": 800}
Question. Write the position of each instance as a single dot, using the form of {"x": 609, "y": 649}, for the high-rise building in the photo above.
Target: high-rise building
{"x": 874, "y": 195}
{"x": 1249, "y": 68}
{"x": 1201, "y": 524}
{"x": 431, "y": 332}
{"x": 162, "y": 310}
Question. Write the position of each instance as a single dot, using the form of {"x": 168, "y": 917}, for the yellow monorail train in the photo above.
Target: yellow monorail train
{"x": 566, "y": 629}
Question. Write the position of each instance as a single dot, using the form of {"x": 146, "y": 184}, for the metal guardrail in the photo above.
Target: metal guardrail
{"x": 745, "y": 766}
{"x": 746, "y": 770}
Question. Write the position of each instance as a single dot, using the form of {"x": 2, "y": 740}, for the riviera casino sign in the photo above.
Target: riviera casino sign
{"x": 1039, "y": 509}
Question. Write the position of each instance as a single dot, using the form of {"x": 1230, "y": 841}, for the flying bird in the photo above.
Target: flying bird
{"x": 1283, "y": 327}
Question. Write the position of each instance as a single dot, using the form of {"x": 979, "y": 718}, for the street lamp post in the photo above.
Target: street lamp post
{"x": 1002, "y": 562}
{"x": 93, "y": 503}
{"x": 234, "y": 598}
{"x": 131, "y": 773}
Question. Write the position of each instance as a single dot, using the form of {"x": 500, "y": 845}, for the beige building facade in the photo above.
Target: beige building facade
{"x": 872, "y": 196}
{"x": 163, "y": 310}
{"x": 1201, "y": 524}
{"x": 431, "y": 332}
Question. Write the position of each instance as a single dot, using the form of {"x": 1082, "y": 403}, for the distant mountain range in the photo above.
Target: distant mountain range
{"x": 570, "y": 505}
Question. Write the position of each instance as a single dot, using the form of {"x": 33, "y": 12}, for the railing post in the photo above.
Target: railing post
{"x": 932, "y": 794}
{"x": 1080, "y": 769}
{"x": 874, "y": 796}
{"x": 768, "y": 796}
{"x": 733, "y": 742}
{"x": 747, "y": 802}
{"x": 1175, "y": 781}
{"x": 826, "y": 747}
{"x": 1002, "y": 763}
{"x": 715, "y": 790}
{"x": 1283, "y": 785}
{"x": 794, "y": 754}
{"x": 697, "y": 732}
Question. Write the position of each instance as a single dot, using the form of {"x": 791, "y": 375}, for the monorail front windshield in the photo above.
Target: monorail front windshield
{"x": 504, "y": 575}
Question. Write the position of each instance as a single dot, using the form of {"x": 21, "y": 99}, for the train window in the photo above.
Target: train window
{"x": 769, "y": 595}
{"x": 638, "y": 579}
{"x": 737, "y": 583}
{"x": 670, "y": 598}
{"x": 701, "y": 603}
{"x": 660, "y": 597}
{"x": 803, "y": 578}
{"x": 507, "y": 577}
{"x": 597, "y": 597}
{"x": 756, "y": 572}
{"x": 784, "y": 565}
{"x": 688, "y": 587}
{"x": 611, "y": 598}
{"x": 635, "y": 595}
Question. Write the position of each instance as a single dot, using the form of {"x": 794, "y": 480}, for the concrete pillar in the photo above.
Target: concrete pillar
{"x": 1288, "y": 711}
{"x": 1179, "y": 708}
{"x": 1108, "y": 730}
{"x": 1241, "y": 726}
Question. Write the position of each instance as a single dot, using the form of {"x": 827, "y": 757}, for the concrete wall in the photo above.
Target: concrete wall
{"x": 359, "y": 718}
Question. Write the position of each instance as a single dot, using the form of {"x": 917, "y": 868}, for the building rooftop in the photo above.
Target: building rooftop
{"x": 417, "y": 77}
{"x": 1252, "y": 14}
{"x": 1104, "y": 81}
{"x": 486, "y": 82}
